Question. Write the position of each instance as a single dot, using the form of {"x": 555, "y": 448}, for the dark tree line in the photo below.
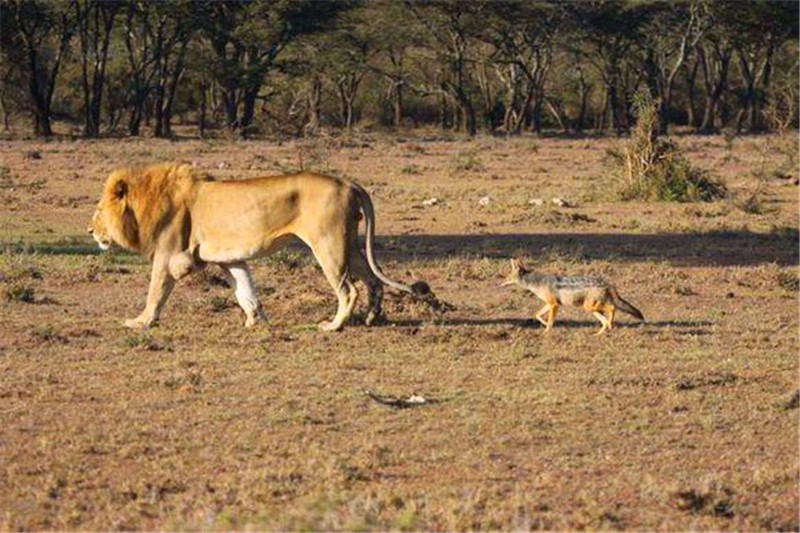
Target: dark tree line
{"x": 293, "y": 66}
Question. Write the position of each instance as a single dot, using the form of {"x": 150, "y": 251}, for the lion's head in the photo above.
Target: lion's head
{"x": 139, "y": 204}
{"x": 114, "y": 220}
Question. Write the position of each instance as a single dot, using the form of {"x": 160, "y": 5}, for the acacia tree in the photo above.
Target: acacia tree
{"x": 758, "y": 29}
{"x": 611, "y": 30}
{"x": 714, "y": 53}
{"x": 345, "y": 54}
{"x": 672, "y": 31}
{"x": 35, "y": 36}
{"x": 156, "y": 37}
{"x": 247, "y": 38}
{"x": 170, "y": 63}
{"x": 95, "y": 20}
{"x": 395, "y": 35}
{"x": 451, "y": 26}
{"x": 523, "y": 35}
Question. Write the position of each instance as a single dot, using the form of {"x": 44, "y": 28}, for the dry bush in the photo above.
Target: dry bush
{"x": 467, "y": 162}
{"x": 654, "y": 168}
{"x": 19, "y": 292}
{"x": 782, "y": 148}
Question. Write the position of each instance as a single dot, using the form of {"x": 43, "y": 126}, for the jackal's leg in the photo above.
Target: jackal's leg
{"x": 610, "y": 310}
{"x": 603, "y": 320}
{"x": 551, "y": 316}
{"x": 539, "y": 316}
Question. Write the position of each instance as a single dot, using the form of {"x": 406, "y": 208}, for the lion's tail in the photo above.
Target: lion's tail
{"x": 369, "y": 219}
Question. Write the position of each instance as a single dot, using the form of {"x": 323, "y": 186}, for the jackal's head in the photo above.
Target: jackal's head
{"x": 517, "y": 270}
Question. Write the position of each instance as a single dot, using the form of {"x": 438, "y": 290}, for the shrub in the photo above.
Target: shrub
{"x": 781, "y": 149}
{"x": 654, "y": 168}
{"x": 467, "y": 162}
{"x": 19, "y": 293}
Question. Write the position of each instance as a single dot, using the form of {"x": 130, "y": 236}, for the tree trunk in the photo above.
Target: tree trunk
{"x": 398, "y": 104}
{"x": 557, "y": 113}
{"x": 444, "y": 112}
{"x": 469, "y": 120}
{"x": 716, "y": 79}
{"x": 314, "y": 110}
{"x": 203, "y": 108}
{"x": 536, "y": 117}
{"x": 4, "y": 108}
{"x": 248, "y": 109}
{"x": 690, "y": 75}
{"x": 137, "y": 111}
{"x": 41, "y": 107}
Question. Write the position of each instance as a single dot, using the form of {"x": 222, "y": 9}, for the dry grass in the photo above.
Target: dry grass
{"x": 688, "y": 421}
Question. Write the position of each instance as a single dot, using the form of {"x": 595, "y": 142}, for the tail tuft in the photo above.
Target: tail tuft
{"x": 420, "y": 288}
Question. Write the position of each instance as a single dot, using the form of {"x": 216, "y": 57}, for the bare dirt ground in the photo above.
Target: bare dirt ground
{"x": 688, "y": 421}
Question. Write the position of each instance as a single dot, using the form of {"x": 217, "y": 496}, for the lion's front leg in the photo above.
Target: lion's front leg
{"x": 161, "y": 284}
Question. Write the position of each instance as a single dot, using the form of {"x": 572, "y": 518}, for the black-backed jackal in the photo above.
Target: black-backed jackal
{"x": 593, "y": 294}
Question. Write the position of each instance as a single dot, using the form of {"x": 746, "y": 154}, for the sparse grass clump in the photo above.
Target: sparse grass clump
{"x": 467, "y": 162}
{"x": 19, "y": 292}
{"x": 48, "y": 333}
{"x": 788, "y": 280}
{"x": 654, "y": 169}
{"x": 411, "y": 169}
{"x": 145, "y": 341}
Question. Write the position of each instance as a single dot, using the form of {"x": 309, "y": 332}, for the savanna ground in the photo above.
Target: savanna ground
{"x": 688, "y": 421}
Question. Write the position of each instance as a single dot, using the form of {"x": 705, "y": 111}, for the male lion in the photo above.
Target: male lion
{"x": 181, "y": 219}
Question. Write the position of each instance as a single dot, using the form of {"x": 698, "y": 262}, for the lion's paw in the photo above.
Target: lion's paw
{"x": 374, "y": 319}
{"x": 137, "y": 323}
{"x": 330, "y": 326}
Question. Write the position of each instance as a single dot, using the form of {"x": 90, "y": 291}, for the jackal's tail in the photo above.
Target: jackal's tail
{"x": 625, "y": 306}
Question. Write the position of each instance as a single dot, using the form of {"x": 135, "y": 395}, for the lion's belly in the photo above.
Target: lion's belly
{"x": 228, "y": 253}
{"x": 231, "y": 224}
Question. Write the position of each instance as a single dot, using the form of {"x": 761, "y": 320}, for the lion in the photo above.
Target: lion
{"x": 181, "y": 220}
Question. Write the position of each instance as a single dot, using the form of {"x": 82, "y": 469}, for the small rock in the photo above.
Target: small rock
{"x": 538, "y": 202}
{"x": 430, "y": 201}
{"x": 484, "y": 201}
{"x": 33, "y": 154}
{"x": 560, "y": 202}
{"x": 222, "y": 165}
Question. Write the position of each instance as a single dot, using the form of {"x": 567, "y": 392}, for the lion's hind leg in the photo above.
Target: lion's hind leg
{"x": 332, "y": 257}
{"x": 361, "y": 271}
{"x": 245, "y": 292}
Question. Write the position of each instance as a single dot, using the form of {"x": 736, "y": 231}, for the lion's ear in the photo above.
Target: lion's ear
{"x": 120, "y": 190}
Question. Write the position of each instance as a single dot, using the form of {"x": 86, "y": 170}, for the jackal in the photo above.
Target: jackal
{"x": 593, "y": 294}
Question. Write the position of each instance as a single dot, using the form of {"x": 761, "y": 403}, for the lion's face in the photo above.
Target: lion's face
{"x": 113, "y": 221}
{"x": 98, "y": 228}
